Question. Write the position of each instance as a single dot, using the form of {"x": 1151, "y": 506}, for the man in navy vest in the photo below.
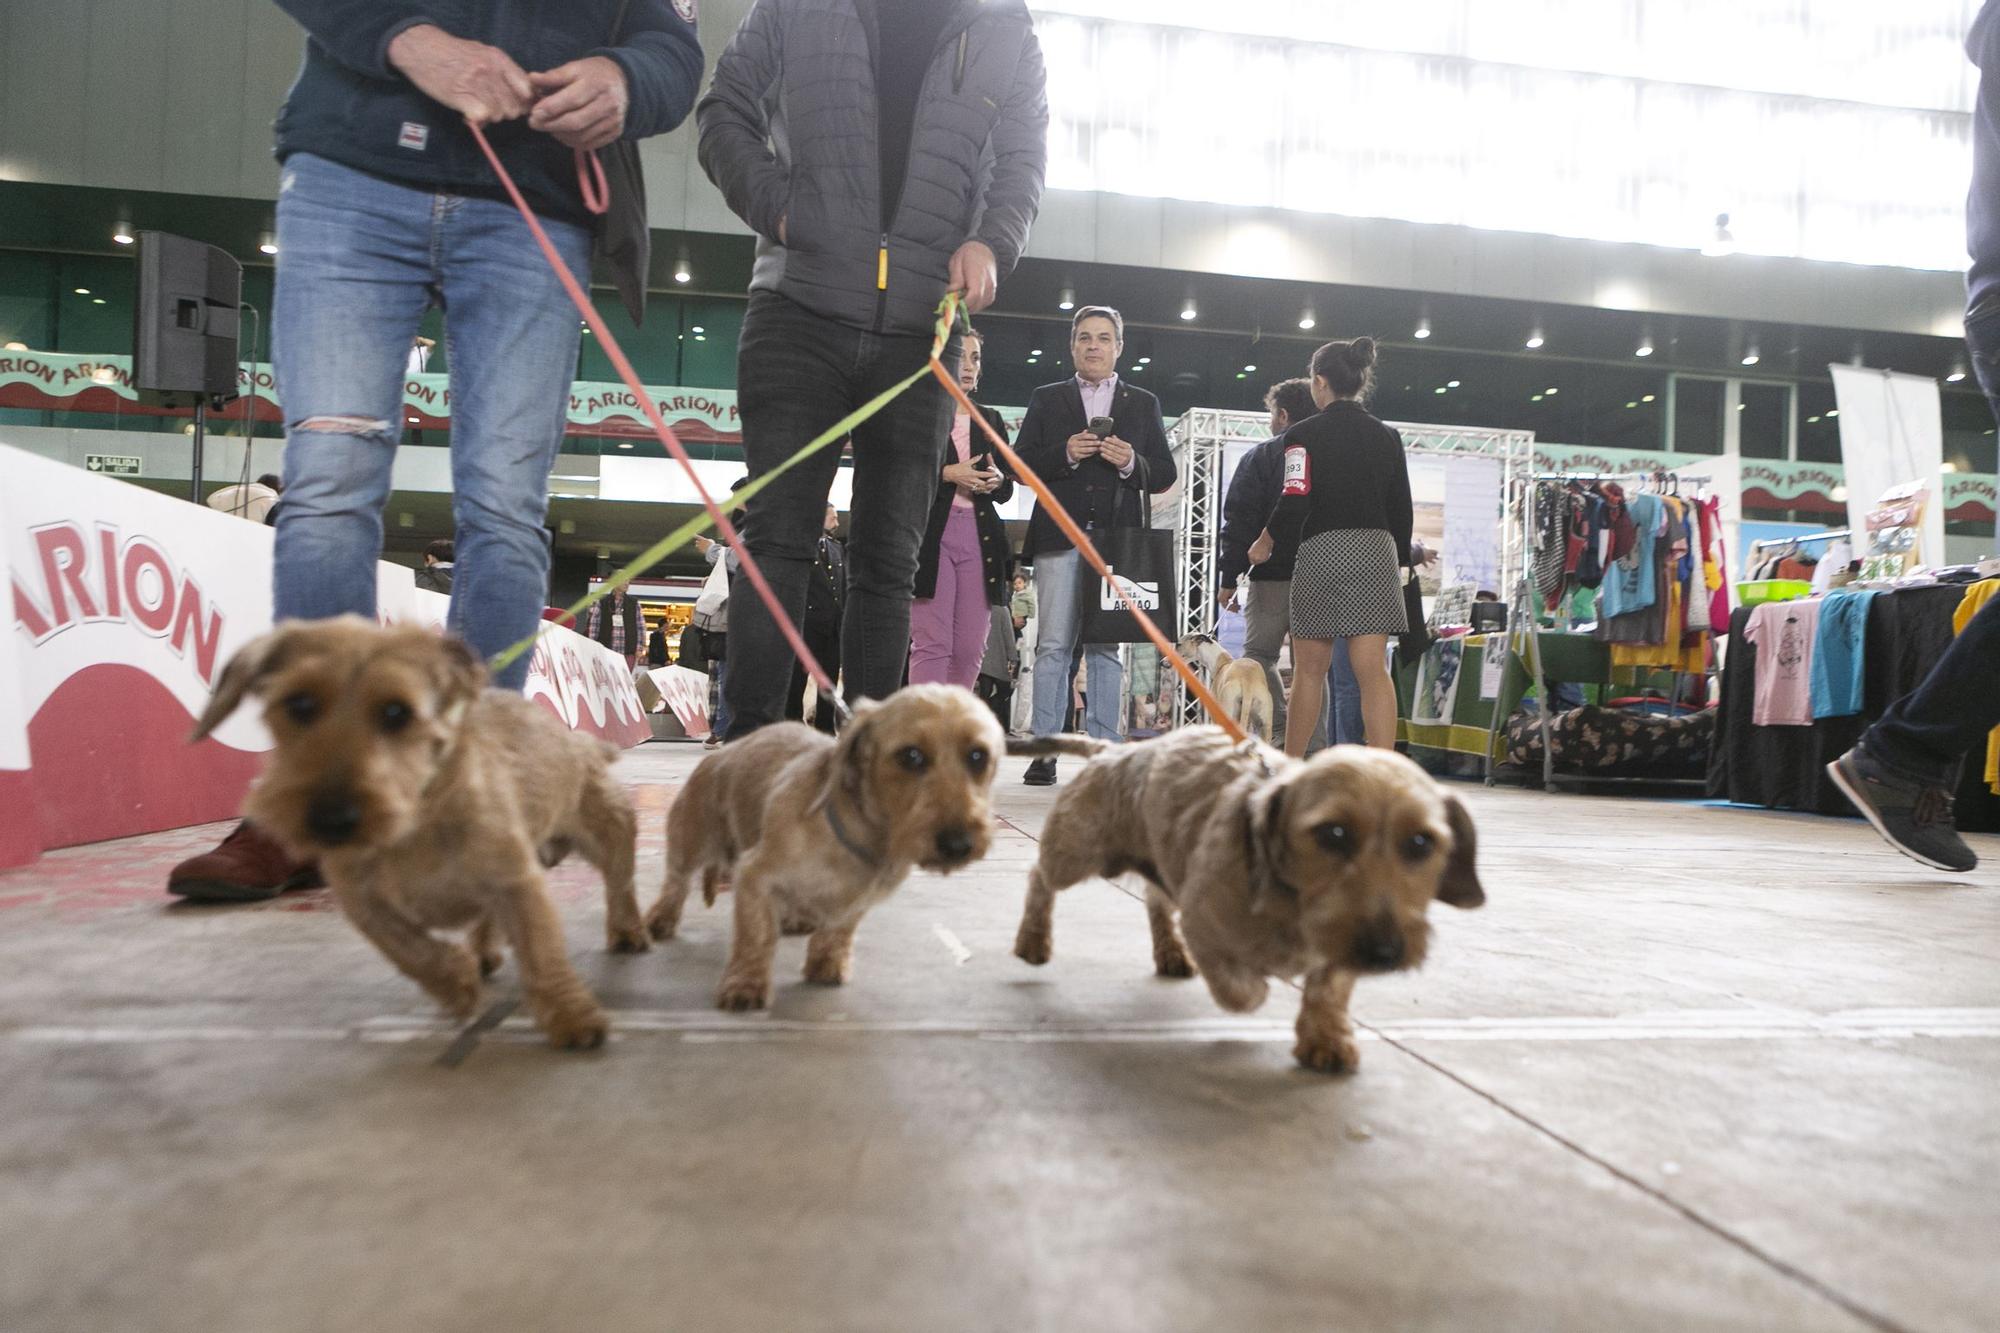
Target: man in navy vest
{"x": 387, "y": 207}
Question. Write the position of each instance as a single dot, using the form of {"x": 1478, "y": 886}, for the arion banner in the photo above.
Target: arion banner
{"x": 126, "y": 604}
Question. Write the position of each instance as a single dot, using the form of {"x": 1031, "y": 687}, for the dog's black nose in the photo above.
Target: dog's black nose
{"x": 1380, "y": 947}
{"x": 333, "y": 819}
{"x": 954, "y": 844}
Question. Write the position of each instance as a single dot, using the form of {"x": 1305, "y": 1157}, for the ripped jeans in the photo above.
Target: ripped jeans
{"x": 360, "y": 260}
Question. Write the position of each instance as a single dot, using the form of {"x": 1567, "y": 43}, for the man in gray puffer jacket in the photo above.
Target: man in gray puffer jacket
{"x": 885, "y": 152}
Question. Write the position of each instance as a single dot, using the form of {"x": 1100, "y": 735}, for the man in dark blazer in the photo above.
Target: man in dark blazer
{"x": 1104, "y": 481}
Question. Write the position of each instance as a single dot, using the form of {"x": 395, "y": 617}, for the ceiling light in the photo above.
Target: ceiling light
{"x": 97, "y": 300}
{"x": 1451, "y": 384}
{"x": 83, "y": 291}
{"x": 1647, "y": 398}
{"x": 122, "y": 233}
{"x": 697, "y": 329}
{"x": 1750, "y": 358}
{"x": 1188, "y": 311}
{"x": 1645, "y": 347}
{"x": 1631, "y": 404}
{"x": 1068, "y": 301}
{"x": 411, "y": 420}
{"x": 1241, "y": 375}
{"x": 1145, "y": 360}
{"x": 1722, "y": 241}
{"x": 682, "y": 273}
{"x": 1551, "y": 392}
{"x": 625, "y": 444}
{"x": 1812, "y": 421}
{"x": 17, "y": 347}
{"x": 1535, "y": 340}
{"x": 1250, "y": 370}
{"x": 1948, "y": 467}
{"x": 268, "y": 243}
{"x": 1957, "y": 373}
{"x": 1423, "y": 330}
{"x": 1834, "y": 413}
{"x": 1308, "y": 321}
{"x": 1036, "y": 352}
{"x": 1534, "y": 398}
{"x": 1440, "y": 389}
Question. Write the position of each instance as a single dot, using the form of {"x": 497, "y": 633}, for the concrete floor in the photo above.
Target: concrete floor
{"x": 1692, "y": 1068}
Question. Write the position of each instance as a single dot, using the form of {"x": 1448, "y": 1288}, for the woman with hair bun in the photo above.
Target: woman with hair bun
{"x": 1346, "y": 501}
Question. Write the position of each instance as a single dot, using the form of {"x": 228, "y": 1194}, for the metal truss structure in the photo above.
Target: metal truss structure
{"x": 1200, "y": 440}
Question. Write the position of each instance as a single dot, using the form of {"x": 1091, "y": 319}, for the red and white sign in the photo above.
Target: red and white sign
{"x": 126, "y": 604}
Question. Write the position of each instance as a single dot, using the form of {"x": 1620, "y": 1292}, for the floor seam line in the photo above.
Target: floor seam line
{"x": 1825, "y": 1290}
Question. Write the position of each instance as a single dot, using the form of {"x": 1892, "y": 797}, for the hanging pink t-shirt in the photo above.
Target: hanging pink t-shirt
{"x": 1784, "y": 633}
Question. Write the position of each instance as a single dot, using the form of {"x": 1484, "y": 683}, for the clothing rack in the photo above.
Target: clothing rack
{"x": 1831, "y": 535}
{"x": 1522, "y": 619}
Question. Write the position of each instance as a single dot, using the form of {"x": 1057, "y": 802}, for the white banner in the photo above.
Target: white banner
{"x": 127, "y": 604}
{"x": 1472, "y": 523}
{"x": 1891, "y": 432}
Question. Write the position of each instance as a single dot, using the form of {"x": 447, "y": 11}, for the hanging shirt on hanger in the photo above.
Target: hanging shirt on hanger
{"x": 1783, "y": 633}
{"x": 1840, "y": 651}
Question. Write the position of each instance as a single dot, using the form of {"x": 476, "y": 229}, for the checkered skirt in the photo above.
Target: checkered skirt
{"x": 1345, "y": 584}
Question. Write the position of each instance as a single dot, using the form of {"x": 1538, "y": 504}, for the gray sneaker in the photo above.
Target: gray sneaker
{"x": 1914, "y": 818}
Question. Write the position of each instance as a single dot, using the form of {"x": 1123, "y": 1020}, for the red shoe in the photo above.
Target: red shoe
{"x": 247, "y": 867}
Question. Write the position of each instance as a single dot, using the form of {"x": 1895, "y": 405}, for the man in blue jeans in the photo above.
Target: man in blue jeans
{"x": 386, "y": 207}
{"x": 1902, "y": 772}
{"x": 1105, "y": 476}
{"x": 885, "y": 152}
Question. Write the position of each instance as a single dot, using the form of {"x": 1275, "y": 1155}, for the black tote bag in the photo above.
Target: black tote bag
{"x": 1142, "y": 559}
{"x": 1417, "y": 641}
{"x": 624, "y": 243}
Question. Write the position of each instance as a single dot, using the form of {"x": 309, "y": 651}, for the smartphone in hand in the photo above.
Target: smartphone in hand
{"x": 1103, "y": 427}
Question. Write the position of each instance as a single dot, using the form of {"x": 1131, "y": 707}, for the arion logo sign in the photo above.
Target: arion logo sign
{"x": 1143, "y": 596}
{"x": 78, "y": 577}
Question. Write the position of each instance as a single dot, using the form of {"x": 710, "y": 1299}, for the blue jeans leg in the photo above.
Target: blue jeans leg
{"x": 1345, "y": 693}
{"x": 1058, "y": 616}
{"x": 511, "y": 335}
{"x": 361, "y": 259}
{"x": 354, "y": 279}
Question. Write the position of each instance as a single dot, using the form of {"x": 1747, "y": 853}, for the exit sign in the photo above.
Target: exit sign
{"x": 116, "y": 465}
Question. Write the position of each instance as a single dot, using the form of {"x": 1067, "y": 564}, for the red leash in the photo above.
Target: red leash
{"x": 746, "y": 563}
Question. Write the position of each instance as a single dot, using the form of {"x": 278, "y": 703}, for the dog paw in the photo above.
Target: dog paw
{"x": 1335, "y": 1055}
{"x": 662, "y": 924}
{"x": 740, "y": 994}
{"x": 581, "y": 1029}
{"x": 457, "y": 988}
{"x": 627, "y": 939}
{"x": 1034, "y": 946}
{"x": 827, "y": 971}
{"x": 1174, "y": 965}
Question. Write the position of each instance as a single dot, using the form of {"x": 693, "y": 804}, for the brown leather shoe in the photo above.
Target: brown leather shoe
{"x": 247, "y": 867}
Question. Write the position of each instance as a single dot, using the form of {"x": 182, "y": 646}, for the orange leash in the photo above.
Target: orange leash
{"x": 616, "y": 354}
{"x": 1089, "y": 553}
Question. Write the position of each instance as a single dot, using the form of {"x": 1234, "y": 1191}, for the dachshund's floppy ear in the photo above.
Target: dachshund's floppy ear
{"x": 1460, "y": 885}
{"x": 1264, "y": 845}
{"x": 244, "y": 674}
{"x": 461, "y": 676}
